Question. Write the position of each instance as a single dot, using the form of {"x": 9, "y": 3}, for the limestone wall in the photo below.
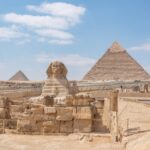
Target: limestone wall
{"x": 13, "y": 89}
{"x": 88, "y": 86}
{"x": 133, "y": 116}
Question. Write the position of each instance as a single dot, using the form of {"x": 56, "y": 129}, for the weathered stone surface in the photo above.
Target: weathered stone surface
{"x": 60, "y": 101}
{"x": 49, "y": 110}
{"x": 84, "y": 113}
{"x": 37, "y": 110}
{"x": 16, "y": 108}
{"x": 66, "y": 126}
{"x": 82, "y": 125}
{"x": 11, "y": 123}
{"x": 99, "y": 104}
{"x": 4, "y": 102}
{"x": 82, "y": 100}
{"x": 37, "y": 117}
{"x": 98, "y": 113}
{"x": 49, "y": 117}
{"x": 51, "y": 127}
{"x": 64, "y": 113}
{"x": 48, "y": 100}
{"x": 69, "y": 100}
{"x": 98, "y": 126}
{"x": 26, "y": 125}
{"x": 15, "y": 111}
{"x": 4, "y": 113}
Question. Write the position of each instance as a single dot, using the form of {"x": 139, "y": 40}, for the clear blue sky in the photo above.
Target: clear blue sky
{"x": 77, "y": 32}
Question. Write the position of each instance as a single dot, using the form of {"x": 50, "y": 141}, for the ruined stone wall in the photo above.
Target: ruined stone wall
{"x": 80, "y": 115}
{"x": 14, "y": 89}
{"x": 133, "y": 116}
{"x": 88, "y": 86}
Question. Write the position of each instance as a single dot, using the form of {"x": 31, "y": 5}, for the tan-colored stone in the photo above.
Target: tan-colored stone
{"x": 4, "y": 113}
{"x": 64, "y": 113}
{"x": 51, "y": 127}
{"x": 4, "y": 102}
{"x": 82, "y": 125}
{"x": 49, "y": 110}
{"x": 39, "y": 110}
{"x": 83, "y": 113}
{"x": 66, "y": 126}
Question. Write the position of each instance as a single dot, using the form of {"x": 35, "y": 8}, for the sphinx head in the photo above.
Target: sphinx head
{"x": 56, "y": 69}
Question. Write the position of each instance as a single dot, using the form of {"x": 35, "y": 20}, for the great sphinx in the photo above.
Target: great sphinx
{"x": 57, "y": 84}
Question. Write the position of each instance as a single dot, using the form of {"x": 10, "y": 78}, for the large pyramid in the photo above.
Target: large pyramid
{"x": 116, "y": 64}
{"x": 19, "y": 76}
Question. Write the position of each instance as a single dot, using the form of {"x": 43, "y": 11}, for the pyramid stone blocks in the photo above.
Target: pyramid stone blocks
{"x": 116, "y": 64}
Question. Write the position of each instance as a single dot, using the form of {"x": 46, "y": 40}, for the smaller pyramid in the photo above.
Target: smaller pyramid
{"x": 19, "y": 76}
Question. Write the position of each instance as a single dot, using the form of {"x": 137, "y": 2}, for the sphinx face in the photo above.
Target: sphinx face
{"x": 56, "y": 68}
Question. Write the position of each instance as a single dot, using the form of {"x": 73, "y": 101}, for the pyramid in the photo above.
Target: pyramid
{"x": 19, "y": 76}
{"x": 116, "y": 64}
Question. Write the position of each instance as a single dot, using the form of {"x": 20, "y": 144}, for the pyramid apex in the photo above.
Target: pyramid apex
{"x": 116, "y": 47}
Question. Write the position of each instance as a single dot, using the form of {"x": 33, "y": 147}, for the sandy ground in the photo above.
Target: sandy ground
{"x": 138, "y": 141}
{"x": 71, "y": 142}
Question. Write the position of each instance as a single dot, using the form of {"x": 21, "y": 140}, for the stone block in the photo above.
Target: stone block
{"x": 11, "y": 124}
{"x": 64, "y": 113}
{"x": 83, "y": 116}
{"x": 4, "y": 113}
{"x": 26, "y": 126}
{"x": 98, "y": 126}
{"x": 49, "y": 110}
{"x": 48, "y": 100}
{"x": 83, "y": 113}
{"x": 49, "y": 117}
{"x": 16, "y": 108}
{"x": 69, "y": 100}
{"x": 51, "y": 127}
{"x": 84, "y": 126}
{"x": 15, "y": 115}
{"x": 98, "y": 113}
{"x": 37, "y": 117}
{"x": 1, "y": 130}
{"x": 60, "y": 101}
{"x": 66, "y": 126}
{"x": 99, "y": 104}
{"x": 4, "y": 102}
{"x": 38, "y": 110}
{"x": 82, "y": 100}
